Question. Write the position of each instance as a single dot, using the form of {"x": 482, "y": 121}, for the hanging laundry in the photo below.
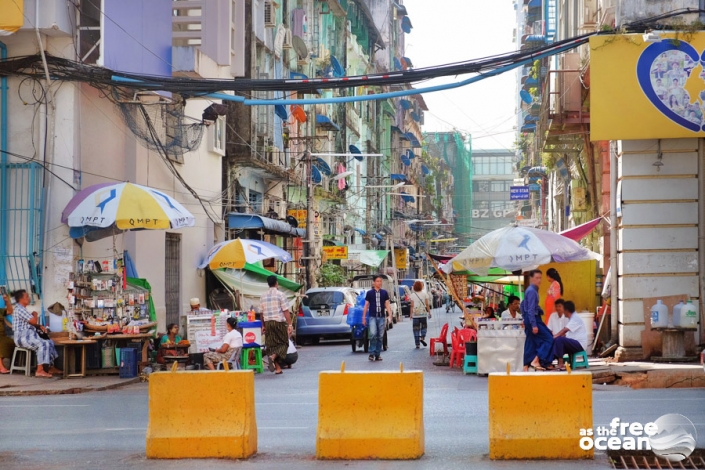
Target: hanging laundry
{"x": 298, "y": 22}
{"x": 341, "y": 181}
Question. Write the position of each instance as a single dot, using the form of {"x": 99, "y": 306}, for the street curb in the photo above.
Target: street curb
{"x": 68, "y": 391}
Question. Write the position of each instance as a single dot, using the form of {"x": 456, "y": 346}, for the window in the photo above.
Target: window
{"x": 255, "y": 200}
{"x": 481, "y": 186}
{"x": 216, "y": 136}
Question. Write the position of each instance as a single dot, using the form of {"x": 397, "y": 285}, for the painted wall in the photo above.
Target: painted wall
{"x": 658, "y": 231}
{"x": 137, "y": 36}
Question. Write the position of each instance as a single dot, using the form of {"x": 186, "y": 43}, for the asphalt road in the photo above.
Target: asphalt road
{"x": 106, "y": 430}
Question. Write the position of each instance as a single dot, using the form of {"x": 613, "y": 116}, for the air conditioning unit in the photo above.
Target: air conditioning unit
{"x": 270, "y": 15}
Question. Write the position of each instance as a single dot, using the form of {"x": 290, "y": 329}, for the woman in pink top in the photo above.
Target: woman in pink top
{"x": 555, "y": 292}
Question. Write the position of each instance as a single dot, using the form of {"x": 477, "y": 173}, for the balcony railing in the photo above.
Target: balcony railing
{"x": 187, "y": 22}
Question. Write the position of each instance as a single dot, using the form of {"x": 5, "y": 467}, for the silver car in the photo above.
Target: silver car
{"x": 323, "y": 314}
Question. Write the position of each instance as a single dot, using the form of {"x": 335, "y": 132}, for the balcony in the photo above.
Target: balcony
{"x": 564, "y": 119}
{"x": 267, "y": 162}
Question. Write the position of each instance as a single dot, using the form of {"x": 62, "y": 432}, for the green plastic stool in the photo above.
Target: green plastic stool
{"x": 582, "y": 363}
{"x": 470, "y": 365}
{"x": 258, "y": 366}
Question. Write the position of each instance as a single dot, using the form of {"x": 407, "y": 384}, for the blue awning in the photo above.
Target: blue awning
{"x": 528, "y": 128}
{"x": 405, "y": 160}
{"x": 316, "y": 176}
{"x": 321, "y": 165}
{"x": 410, "y": 154}
{"x": 406, "y": 24}
{"x": 407, "y": 197}
{"x": 338, "y": 70}
{"x": 280, "y": 111}
{"x": 304, "y": 86}
{"x": 251, "y": 221}
{"x": 406, "y": 104}
{"x": 397, "y": 177}
{"x": 325, "y": 123}
{"x": 534, "y": 3}
{"x": 425, "y": 170}
{"x": 526, "y": 97}
{"x": 360, "y": 231}
{"x": 535, "y": 38}
{"x": 408, "y": 62}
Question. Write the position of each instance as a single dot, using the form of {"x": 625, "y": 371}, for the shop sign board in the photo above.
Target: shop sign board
{"x": 402, "y": 257}
{"x": 335, "y": 252}
{"x": 518, "y": 193}
{"x": 300, "y": 216}
{"x": 352, "y": 260}
{"x": 647, "y": 89}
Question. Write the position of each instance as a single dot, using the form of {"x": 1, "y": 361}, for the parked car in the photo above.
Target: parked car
{"x": 405, "y": 300}
{"x": 323, "y": 314}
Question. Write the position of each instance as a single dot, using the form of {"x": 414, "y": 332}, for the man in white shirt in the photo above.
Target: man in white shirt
{"x": 512, "y": 312}
{"x": 557, "y": 322}
{"x": 572, "y": 338}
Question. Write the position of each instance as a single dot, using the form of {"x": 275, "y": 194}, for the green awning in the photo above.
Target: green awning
{"x": 369, "y": 257}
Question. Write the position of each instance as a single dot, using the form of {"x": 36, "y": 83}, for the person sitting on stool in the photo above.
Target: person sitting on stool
{"x": 231, "y": 341}
{"x": 26, "y": 326}
{"x": 572, "y": 338}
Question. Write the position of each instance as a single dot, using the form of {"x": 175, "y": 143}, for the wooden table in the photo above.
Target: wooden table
{"x": 70, "y": 356}
{"x": 143, "y": 337}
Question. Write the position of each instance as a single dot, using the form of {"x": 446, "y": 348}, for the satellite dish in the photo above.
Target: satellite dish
{"x": 299, "y": 47}
{"x": 291, "y": 220}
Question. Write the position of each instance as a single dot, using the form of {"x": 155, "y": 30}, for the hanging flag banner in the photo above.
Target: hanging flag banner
{"x": 647, "y": 90}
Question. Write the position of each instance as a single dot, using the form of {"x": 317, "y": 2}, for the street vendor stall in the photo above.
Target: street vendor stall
{"x": 499, "y": 343}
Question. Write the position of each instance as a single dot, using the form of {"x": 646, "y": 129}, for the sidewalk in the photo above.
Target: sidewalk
{"x": 20, "y": 385}
{"x": 638, "y": 375}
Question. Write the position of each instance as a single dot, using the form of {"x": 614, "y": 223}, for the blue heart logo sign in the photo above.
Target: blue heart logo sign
{"x": 672, "y": 76}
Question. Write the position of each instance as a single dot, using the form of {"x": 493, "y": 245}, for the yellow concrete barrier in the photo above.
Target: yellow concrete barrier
{"x": 370, "y": 415}
{"x": 201, "y": 414}
{"x": 539, "y": 415}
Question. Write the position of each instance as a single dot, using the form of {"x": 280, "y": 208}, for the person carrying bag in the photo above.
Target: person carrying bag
{"x": 420, "y": 312}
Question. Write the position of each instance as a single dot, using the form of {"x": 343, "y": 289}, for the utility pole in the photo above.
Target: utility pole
{"x": 309, "y": 252}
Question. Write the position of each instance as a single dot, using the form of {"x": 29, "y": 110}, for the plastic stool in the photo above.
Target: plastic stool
{"x": 29, "y": 359}
{"x": 583, "y": 362}
{"x": 470, "y": 365}
{"x": 258, "y": 366}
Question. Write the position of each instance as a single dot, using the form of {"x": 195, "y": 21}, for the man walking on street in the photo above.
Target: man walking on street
{"x": 376, "y": 304}
{"x": 277, "y": 324}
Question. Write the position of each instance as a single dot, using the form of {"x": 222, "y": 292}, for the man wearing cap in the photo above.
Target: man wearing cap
{"x": 277, "y": 323}
{"x": 196, "y": 307}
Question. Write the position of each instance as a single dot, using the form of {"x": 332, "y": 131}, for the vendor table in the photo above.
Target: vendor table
{"x": 498, "y": 344}
{"x": 70, "y": 356}
{"x": 143, "y": 338}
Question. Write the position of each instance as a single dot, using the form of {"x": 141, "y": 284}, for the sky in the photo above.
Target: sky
{"x": 446, "y": 31}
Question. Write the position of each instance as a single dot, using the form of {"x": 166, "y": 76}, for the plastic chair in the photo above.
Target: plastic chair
{"x": 26, "y": 366}
{"x": 258, "y": 366}
{"x": 234, "y": 360}
{"x": 579, "y": 360}
{"x": 443, "y": 339}
{"x": 466, "y": 335}
{"x": 458, "y": 352}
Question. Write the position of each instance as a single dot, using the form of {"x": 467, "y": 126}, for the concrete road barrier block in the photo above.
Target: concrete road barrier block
{"x": 201, "y": 414}
{"x": 370, "y": 415}
{"x": 539, "y": 415}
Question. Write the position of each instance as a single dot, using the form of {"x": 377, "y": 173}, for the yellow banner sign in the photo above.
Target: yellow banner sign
{"x": 335, "y": 252}
{"x": 402, "y": 257}
{"x": 647, "y": 90}
{"x": 300, "y": 216}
